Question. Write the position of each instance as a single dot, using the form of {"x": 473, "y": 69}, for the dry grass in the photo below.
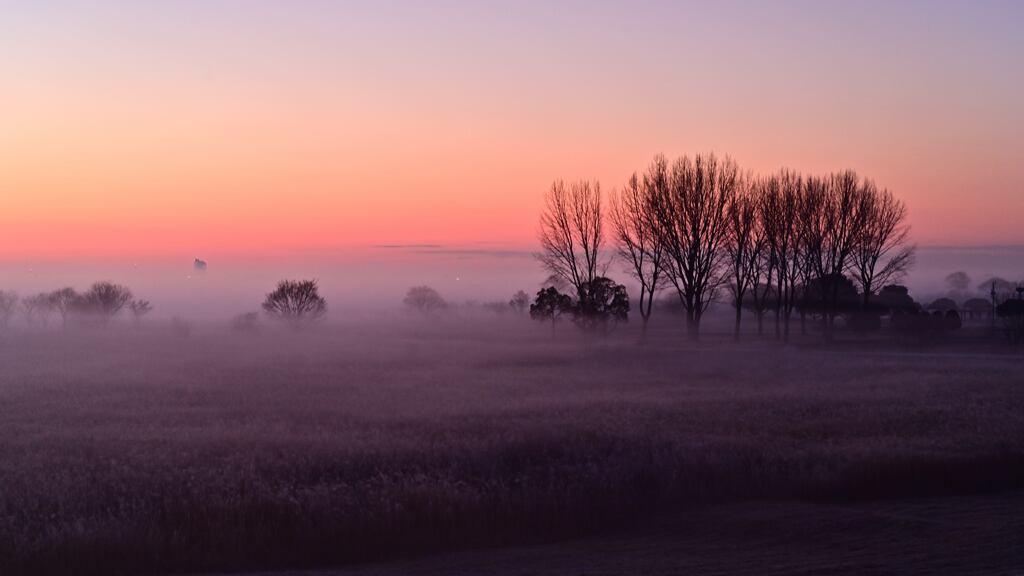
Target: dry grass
{"x": 143, "y": 452}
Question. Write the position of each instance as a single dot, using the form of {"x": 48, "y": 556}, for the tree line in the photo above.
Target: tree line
{"x": 703, "y": 228}
{"x": 97, "y": 305}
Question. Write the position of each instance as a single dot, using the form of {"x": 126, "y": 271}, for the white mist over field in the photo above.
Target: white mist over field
{"x": 373, "y": 279}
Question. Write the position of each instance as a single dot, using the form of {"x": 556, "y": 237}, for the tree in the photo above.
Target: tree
{"x": 1003, "y": 288}
{"x": 105, "y": 300}
{"x": 847, "y": 302}
{"x": 424, "y": 300}
{"x": 743, "y": 246}
{"x": 781, "y": 209}
{"x": 140, "y": 308}
{"x": 604, "y": 302}
{"x": 842, "y": 205}
{"x": 895, "y": 298}
{"x": 943, "y": 305}
{"x": 8, "y": 304}
{"x": 691, "y": 223}
{"x": 550, "y": 304}
{"x": 296, "y": 302}
{"x": 38, "y": 307}
{"x": 882, "y": 254}
{"x": 520, "y": 302}
{"x": 571, "y": 232}
{"x": 636, "y": 239}
{"x": 958, "y": 282}
{"x": 63, "y": 301}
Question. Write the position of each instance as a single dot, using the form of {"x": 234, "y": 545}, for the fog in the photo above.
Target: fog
{"x": 373, "y": 280}
{"x": 154, "y": 450}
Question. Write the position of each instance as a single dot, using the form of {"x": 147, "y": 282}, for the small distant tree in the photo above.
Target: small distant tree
{"x": 105, "y": 300}
{"x": 1003, "y": 288}
{"x": 520, "y": 302}
{"x": 139, "y": 308}
{"x": 296, "y": 302}
{"x": 603, "y": 302}
{"x": 424, "y": 300}
{"x": 8, "y": 304}
{"x": 63, "y": 301}
{"x": 248, "y": 322}
{"x": 943, "y": 305}
{"x": 38, "y": 307}
{"x": 958, "y": 283}
{"x": 550, "y": 305}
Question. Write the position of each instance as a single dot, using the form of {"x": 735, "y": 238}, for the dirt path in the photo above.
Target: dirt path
{"x": 962, "y": 535}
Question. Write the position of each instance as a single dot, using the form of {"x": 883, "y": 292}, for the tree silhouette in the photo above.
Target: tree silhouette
{"x": 296, "y": 302}
{"x": 958, "y": 282}
{"x": 744, "y": 247}
{"x": 63, "y": 302}
{"x": 37, "y": 307}
{"x": 636, "y": 239}
{"x": 783, "y": 207}
{"x": 105, "y": 300}
{"x": 8, "y": 304}
{"x": 603, "y": 302}
{"x": 520, "y": 302}
{"x": 139, "y": 308}
{"x": 691, "y": 224}
{"x": 424, "y": 300}
{"x": 883, "y": 253}
{"x": 571, "y": 232}
{"x": 550, "y": 305}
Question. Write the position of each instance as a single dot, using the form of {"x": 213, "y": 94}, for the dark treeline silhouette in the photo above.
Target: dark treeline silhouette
{"x": 98, "y": 305}
{"x": 702, "y": 226}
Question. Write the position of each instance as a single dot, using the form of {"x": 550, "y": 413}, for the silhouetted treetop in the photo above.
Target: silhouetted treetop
{"x": 424, "y": 300}
{"x": 295, "y": 301}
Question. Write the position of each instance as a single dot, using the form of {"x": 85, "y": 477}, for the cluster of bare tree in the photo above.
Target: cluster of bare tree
{"x": 782, "y": 242}
{"x": 97, "y": 305}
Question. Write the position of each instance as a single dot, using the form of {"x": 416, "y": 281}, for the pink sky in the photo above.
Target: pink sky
{"x": 164, "y": 130}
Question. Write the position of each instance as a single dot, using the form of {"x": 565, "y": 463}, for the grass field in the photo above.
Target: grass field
{"x": 128, "y": 451}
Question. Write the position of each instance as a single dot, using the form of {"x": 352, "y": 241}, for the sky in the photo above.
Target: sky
{"x": 241, "y": 130}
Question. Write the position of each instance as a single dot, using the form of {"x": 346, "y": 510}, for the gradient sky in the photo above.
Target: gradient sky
{"x": 212, "y": 127}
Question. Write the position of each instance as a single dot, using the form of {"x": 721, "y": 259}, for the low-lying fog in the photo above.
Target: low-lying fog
{"x": 373, "y": 279}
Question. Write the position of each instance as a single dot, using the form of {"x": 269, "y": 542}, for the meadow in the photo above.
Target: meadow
{"x": 155, "y": 451}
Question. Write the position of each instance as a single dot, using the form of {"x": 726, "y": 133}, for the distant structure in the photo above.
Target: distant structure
{"x": 199, "y": 265}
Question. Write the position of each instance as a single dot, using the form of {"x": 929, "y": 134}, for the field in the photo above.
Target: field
{"x": 146, "y": 451}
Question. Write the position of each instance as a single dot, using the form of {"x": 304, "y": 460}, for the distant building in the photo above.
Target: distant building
{"x": 199, "y": 265}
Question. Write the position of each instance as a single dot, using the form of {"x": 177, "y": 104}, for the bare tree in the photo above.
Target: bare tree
{"x": 105, "y": 300}
{"x": 8, "y": 304}
{"x": 636, "y": 239}
{"x": 844, "y": 212}
{"x": 296, "y": 302}
{"x": 883, "y": 253}
{"x": 63, "y": 301}
{"x": 520, "y": 302}
{"x": 571, "y": 233}
{"x": 38, "y": 307}
{"x": 139, "y": 308}
{"x": 779, "y": 210}
{"x": 743, "y": 246}
{"x": 692, "y": 226}
{"x": 424, "y": 300}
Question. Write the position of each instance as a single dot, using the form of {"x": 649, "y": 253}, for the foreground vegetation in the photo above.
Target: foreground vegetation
{"x": 137, "y": 451}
